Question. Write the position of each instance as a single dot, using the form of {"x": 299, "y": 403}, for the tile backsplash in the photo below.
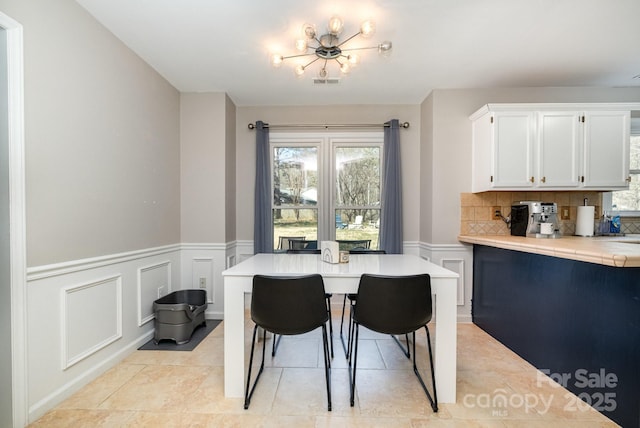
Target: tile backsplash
{"x": 476, "y": 210}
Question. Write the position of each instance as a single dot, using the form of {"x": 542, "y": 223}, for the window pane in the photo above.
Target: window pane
{"x": 627, "y": 200}
{"x": 295, "y": 176}
{"x": 358, "y": 225}
{"x": 357, "y": 176}
{"x": 634, "y": 159}
{"x": 294, "y": 224}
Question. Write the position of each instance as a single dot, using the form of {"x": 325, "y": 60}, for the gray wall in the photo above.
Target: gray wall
{"x": 426, "y": 166}
{"x": 6, "y": 407}
{"x": 207, "y": 163}
{"x": 230, "y": 172}
{"x": 102, "y": 139}
{"x": 450, "y": 150}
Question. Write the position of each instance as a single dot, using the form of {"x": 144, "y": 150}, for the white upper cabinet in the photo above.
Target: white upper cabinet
{"x": 502, "y": 150}
{"x": 559, "y": 147}
{"x": 512, "y": 149}
{"x": 551, "y": 146}
{"x": 606, "y": 149}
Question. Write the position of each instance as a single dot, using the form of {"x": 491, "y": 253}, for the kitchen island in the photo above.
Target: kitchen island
{"x": 569, "y": 306}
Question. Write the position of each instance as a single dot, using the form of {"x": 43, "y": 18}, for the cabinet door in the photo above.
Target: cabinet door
{"x": 481, "y": 153}
{"x": 606, "y": 149}
{"x": 513, "y": 150}
{"x": 559, "y": 138}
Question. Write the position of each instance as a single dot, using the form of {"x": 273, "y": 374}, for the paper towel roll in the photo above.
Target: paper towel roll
{"x": 584, "y": 222}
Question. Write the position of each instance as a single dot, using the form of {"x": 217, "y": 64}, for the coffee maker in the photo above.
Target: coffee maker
{"x": 543, "y": 219}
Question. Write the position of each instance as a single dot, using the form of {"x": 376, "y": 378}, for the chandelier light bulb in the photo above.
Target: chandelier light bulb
{"x": 299, "y": 70}
{"x": 322, "y": 73}
{"x": 301, "y": 45}
{"x": 309, "y": 31}
{"x": 384, "y": 48}
{"x": 367, "y": 28}
{"x": 276, "y": 60}
{"x": 345, "y": 67}
{"x": 354, "y": 59}
{"x": 335, "y": 25}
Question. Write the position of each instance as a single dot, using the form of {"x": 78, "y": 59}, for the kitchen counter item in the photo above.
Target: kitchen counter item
{"x": 584, "y": 222}
{"x": 519, "y": 219}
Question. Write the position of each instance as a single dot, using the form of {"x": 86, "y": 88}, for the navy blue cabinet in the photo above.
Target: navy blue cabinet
{"x": 566, "y": 317}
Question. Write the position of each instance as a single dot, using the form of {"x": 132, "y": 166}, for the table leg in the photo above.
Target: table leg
{"x": 446, "y": 337}
{"x": 234, "y": 337}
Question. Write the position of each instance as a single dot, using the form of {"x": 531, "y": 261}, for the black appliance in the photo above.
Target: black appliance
{"x": 519, "y": 219}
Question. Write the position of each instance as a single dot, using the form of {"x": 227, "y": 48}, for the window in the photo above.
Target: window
{"x": 357, "y": 193}
{"x": 627, "y": 202}
{"x": 326, "y": 187}
{"x": 295, "y": 193}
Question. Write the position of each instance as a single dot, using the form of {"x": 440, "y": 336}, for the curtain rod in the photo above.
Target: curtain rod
{"x": 404, "y": 125}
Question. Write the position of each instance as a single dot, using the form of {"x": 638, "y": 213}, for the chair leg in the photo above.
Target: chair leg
{"x": 352, "y": 326}
{"x": 353, "y": 358}
{"x": 249, "y": 393}
{"x": 344, "y": 305}
{"x": 405, "y": 350}
{"x": 330, "y": 324}
{"x": 432, "y": 400}
{"x": 276, "y": 343}
{"x": 434, "y": 405}
{"x": 327, "y": 366}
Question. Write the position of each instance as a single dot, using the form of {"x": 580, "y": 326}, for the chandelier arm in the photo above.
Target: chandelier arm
{"x": 314, "y": 60}
{"x": 346, "y": 40}
{"x": 297, "y": 56}
{"x": 359, "y": 49}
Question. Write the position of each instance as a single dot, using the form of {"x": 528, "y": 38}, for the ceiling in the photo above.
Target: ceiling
{"x": 224, "y": 46}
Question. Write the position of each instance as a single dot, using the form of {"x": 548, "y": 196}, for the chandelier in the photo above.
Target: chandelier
{"x": 328, "y": 47}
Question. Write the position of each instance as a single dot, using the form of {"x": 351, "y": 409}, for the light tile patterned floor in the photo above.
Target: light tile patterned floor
{"x": 185, "y": 389}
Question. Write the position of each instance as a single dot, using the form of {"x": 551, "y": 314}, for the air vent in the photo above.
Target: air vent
{"x": 326, "y": 81}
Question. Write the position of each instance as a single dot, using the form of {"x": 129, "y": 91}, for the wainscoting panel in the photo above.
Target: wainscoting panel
{"x": 457, "y": 266}
{"x": 244, "y": 250}
{"x": 84, "y": 316}
{"x": 457, "y": 258}
{"x": 206, "y": 261}
{"x": 153, "y": 282}
{"x": 202, "y": 276}
{"x": 91, "y": 318}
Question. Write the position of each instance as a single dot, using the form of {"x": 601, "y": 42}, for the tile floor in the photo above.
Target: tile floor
{"x": 185, "y": 389}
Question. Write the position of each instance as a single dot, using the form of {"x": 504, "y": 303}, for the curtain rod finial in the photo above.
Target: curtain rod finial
{"x": 251, "y": 126}
{"x": 405, "y": 125}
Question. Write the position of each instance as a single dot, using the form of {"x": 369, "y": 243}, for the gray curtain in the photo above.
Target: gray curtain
{"x": 263, "y": 225}
{"x": 391, "y": 213}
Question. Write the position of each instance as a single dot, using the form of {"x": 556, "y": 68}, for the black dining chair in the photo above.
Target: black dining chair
{"x": 351, "y": 244}
{"x": 295, "y": 244}
{"x": 327, "y": 296}
{"x": 287, "y": 305}
{"x": 284, "y": 242}
{"x": 393, "y": 305}
{"x": 352, "y": 300}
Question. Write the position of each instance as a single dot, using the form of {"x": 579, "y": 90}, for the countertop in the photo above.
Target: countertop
{"x": 618, "y": 251}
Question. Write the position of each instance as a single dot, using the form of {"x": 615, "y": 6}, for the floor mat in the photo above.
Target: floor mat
{"x": 169, "y": 345}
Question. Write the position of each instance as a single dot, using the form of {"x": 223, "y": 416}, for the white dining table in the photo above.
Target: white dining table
{"x": 339, "y": 278}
